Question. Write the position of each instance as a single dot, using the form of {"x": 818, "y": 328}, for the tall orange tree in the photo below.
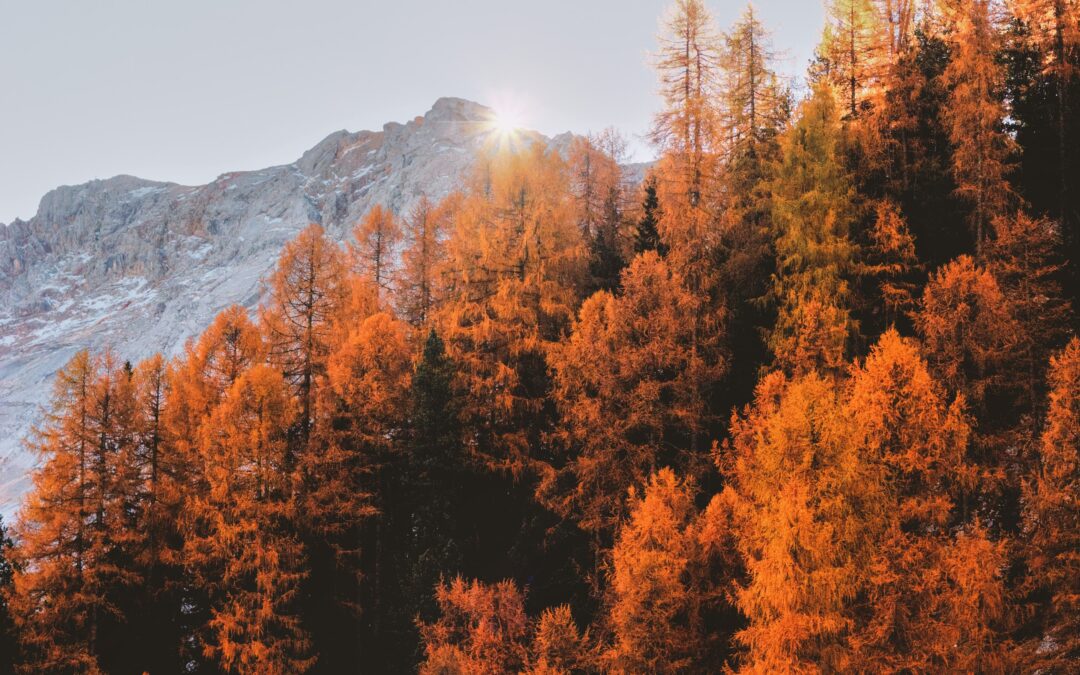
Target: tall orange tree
{"x": 516, "y": 264}
{"x": 631, "y": 386}
{"x": 74, "y": 527}
{"x": 801, "y": 507}
{"x": 241, "y": 548}
{"x": 1051, "y": 520}
{"x": 308, "y": 292}
{"x": 982, "y": 151}
{"x": 375, "y": 248}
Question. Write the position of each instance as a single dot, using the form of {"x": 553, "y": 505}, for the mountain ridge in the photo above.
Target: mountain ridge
{"x": 141, "y": 265}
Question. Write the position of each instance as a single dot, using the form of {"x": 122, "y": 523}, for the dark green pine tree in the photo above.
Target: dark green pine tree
{"x": 427, "y": 513}
{"x": 648, "y": 234}
{"x": 1044, "y": 99}
{"x": 605, "y": 260}
{"x": 8, "y": 644}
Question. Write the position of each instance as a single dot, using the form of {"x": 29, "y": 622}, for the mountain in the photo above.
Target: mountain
{"x": 141, "y": 266}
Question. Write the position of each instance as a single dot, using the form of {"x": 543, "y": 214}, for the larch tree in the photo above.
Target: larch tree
{"x": 1023, "y": 255}
{"x": 812, "y": 209}
{"x": 800, "y": 508}
{"x": 908, "y": 616}
{"x": 241, "y": 548}
{"x": 852, "y": 52}
{"x": 654, "y": 615}
{"x": 755, "y": 106}
{"x": 971, "y": 339}
{"x": 1052, "y": 521}
{"x": 689, "y": 67}
{"x": 307, "y": 295}
{"x": 631, "y": 386}
{"x": 967, "y": 329}
{"x": 899, "y": 19}
{"x": 420, "y": 286}
{"x": 72, "y": 528}
{"x": 975, "y": 113}
{"x": 596, "y": 184}
{"x": 482, "y": 629}
{"x": 348, "y": 504}
{"x": 752, "y": 99}
{"x": 892, "y": 264}
{"x": 687, "y": 135}
{"x": 373, "y": 254}
{"x": 518, "y": 264}
{"x": 559, "y": 647}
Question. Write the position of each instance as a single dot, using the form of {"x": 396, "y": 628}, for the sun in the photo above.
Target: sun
{"x": 506, "y": 121}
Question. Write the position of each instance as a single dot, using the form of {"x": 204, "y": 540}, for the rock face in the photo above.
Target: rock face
{"x": 141, "y": 266}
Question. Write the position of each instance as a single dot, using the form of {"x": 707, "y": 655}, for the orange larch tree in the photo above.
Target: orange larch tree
{"x": 975, "y": 113}
{"x": 852, "y": 52}
{"x": 892, "y": 264}
{"x": 631, "y": 386}
{"x": 812, "y": 210}
{"x": 308, "y": 292}
{"x": 1052, "y": 521}
{"x": 687, "y": 134}
{"x": 241, "y": 548}
{"x": 800, "y": 507}
{"x": 654, "y": 607}
{"x": 420, "y": 286}
{"x": 1023, "y": 255}
{"x": 74, "y": 527}
{"x": 482, "y": 629}
{"x": 517, "y": 264}
{"x": 907, "y": 617}
{"x": 967, "y": 329}
{"x": 373, "y": 254}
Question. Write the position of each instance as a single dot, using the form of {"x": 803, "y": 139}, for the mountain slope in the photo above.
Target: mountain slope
{"x": 141, "y": 265}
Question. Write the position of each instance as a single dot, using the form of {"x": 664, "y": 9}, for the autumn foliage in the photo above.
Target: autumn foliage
{"x": 805, "y": 400}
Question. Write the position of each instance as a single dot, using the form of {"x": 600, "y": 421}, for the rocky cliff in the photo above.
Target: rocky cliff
{"x": 141, "y": 266}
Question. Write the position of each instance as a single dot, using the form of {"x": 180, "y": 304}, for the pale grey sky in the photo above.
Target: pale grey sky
{"x": 184, "y": 90}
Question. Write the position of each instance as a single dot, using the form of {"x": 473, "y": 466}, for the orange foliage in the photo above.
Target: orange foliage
{"x": 308, "y": 293}
{"x": 238, "y": 545}
{"x": 482, "y": 630}
{"x": 654, "y": 608}
{"x": 975, "y": 112}
{"x": 631, "y": 383}
{"x": 800, "y": 503}
{"x": 516, "y": 261}
{"x": 377, "y": 237}
{"x": 967, "y": 329}
{"x": 1052, "y": 518}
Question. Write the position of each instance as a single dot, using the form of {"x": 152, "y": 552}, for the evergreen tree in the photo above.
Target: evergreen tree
{"x": 9, "y": 655}
{"x": 647, "y": 236}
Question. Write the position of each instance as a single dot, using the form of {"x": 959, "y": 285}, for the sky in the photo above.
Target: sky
{"x": 185, "y": 90}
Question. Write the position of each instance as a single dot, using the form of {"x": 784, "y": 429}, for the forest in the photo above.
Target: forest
{"x": 806, "y": 399}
